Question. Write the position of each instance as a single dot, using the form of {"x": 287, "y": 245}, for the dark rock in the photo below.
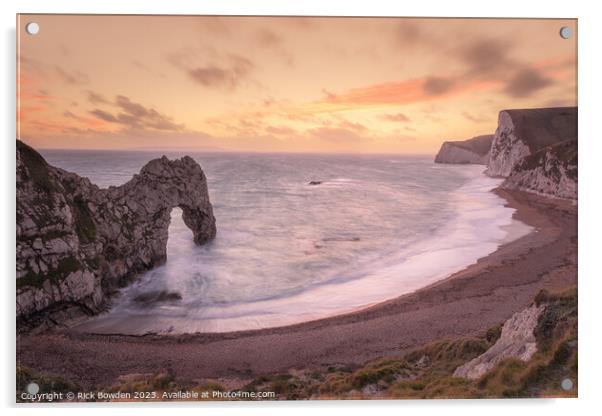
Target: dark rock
{"x": 148, "y": 299}
{"x": 314, "y": 182}
{"x": 352, "y": 239}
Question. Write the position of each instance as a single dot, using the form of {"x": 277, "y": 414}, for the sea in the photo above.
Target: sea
{"x": 372, "y": 228}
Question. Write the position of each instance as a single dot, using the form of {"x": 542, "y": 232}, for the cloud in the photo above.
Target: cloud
{"x": 229, "y": 71}
{"x": 383, "y": 93}
{"x": 399, "y": 117}
{"x": 410, "y": 34}
{"x": 435, "y": 85}
{"x": 409, "y": 31}
{"x": 215, "y": 25}
{"x": 268, "y": 38}
{"x": 490, "y": 59}
{"x": 96, "y": 98}
{"x": 99, "y": 121}
{"x": 73, "y": 78}
{"x": 475, "y": 119}
{"x": 142, "y": 67}
{"x": 212, "y": 75}
{"x": 558, "y": 103}
{"x": 487, "y": 67}
{"x": 486, "y": 56}
{"x": 352, "y": 126}
{"x": 103, "y": 115}
{"x": 132, "y": 108}
{"x": 69, "y": 114}
{"x": 395, "y": 93}
{"x": 526, "y": 82}
{"x": 134, "y": 115}
{"x": 280, "y": 130}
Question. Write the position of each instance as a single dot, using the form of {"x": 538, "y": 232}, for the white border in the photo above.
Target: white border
{"x": 589, "y": 195}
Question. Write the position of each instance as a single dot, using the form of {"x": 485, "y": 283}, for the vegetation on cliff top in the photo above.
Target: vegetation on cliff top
{"x": 37, "y": 168}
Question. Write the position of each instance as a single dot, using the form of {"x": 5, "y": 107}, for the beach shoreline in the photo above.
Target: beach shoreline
{"x": 465, "y": 304}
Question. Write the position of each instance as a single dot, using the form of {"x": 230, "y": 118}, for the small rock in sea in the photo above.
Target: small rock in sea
{"x": 327, "y": 239}
{"x": 314, "y": 182}
{"x": 156, "y": 296}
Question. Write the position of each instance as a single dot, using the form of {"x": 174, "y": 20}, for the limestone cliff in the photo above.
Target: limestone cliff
{"x": 77, "y": 242}
{"x": 521, "y": 133}
{"x": 551, "y": 171}
{"x": 471, "y": 151}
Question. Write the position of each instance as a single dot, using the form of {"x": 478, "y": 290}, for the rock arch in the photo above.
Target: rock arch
{"x": 76, "y": 242}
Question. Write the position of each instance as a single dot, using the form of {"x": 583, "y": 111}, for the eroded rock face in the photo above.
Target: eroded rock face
{"x": 471, "y": 151}
{"x": 551, "y": 171}
{"x": 517, "y": 341}
{"x": 77, "y": 242}
{"x": 521, "y": 133}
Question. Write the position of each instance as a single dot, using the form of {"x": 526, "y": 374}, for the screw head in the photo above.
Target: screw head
{"x": 32, "y": 388}
{"x": 32, "y": 28}
{"x": 566, "y": 384}
{"x": 565, "y": 32}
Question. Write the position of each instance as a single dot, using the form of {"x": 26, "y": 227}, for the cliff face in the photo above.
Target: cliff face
{"x": 76, "y": 242}
{"x": 551, "y": 171}
{"x": 471, "y": 151}
{"x": 521, "y": 133}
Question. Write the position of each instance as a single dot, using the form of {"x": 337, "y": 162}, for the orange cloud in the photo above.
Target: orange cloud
{"x": 396, "y": 93}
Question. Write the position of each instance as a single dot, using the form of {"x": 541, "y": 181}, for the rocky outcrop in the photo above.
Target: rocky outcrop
{"x": 521, "y": 133}
{"x": 551, "y": 171}
{"x": 516, "y": 341}
{"x": 471, "y": 151}
{"x": 77, "y": 242}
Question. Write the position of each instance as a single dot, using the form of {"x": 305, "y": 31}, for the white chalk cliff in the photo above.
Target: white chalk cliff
{"x": 471, "y": 151}
{"x": 551, "y": 171}
{"x": 521, "y": 133}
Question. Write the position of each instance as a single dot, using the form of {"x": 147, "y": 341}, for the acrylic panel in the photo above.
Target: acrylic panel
{"x": 292, "y": 208}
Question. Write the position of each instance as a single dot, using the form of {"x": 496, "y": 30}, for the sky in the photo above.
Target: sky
{"x": 283, "y": 84}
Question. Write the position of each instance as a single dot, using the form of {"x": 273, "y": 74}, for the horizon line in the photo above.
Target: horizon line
{"x": 195, "y": 150}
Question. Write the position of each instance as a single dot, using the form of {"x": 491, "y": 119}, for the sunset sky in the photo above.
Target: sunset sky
{"x": 283, "y": 84}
